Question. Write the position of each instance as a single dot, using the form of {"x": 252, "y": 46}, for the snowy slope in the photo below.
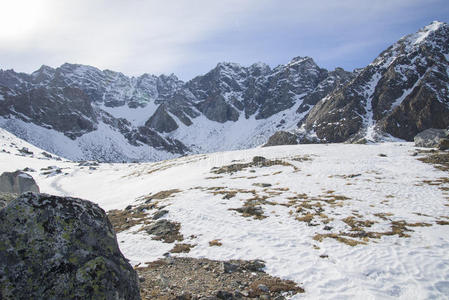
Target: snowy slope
{"x": 379, "y": 183}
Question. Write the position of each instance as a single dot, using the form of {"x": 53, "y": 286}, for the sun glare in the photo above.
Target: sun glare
{"x": 19, "y": 18}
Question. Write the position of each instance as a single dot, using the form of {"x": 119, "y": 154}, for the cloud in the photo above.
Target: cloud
{"x": 189, "y": 37}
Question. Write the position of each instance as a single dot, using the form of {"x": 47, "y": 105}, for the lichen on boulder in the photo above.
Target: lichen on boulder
{"x": 61, "y": 248}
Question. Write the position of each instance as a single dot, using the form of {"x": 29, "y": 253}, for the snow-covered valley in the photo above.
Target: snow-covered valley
{"x": 343, "y": 221}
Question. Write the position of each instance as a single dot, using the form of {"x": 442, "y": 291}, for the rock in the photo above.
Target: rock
{"x": 159, "y": 214}
{"x": 26, "y": 151}
{"x": 263, "y": 288}
{"x": 165, "y": 230}
{"x": 17, "y": 182}
{"x": 282, "y": 138}
{"x": 225, "y": 295}
{"x": 58, "y": 248}
{"x": 88, "y": 164}
{"x": 262, "y": 184}
{"x": 430, "y": 138}
{"x": 443, "y": 144}
{"x": 254, "y": 265}
{"x": 264, "y": 297}
{"x": 28, "y": 170}
{"x": 228, "y": 267}
{"x": 258, "y": 159}
{"x": 47, "y": 155}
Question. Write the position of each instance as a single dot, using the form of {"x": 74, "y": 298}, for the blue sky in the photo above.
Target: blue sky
{"x": 189, "y": 38}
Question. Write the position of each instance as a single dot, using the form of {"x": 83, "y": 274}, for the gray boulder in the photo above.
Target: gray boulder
{"x": 282, "y": 138}
{"x": 17, "y": 182}
{"x": 61, "y": 248}
{"x": 430, "y": 138}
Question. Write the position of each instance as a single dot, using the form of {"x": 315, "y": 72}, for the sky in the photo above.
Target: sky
{"x": 188, "y": 38}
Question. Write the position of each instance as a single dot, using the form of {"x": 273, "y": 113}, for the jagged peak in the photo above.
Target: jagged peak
{"x": 260, "y": 65}
{"x": 79, "y": 69}
{"x": 228, "y": 65}
{"x": 424, "y": 32}
{"x": 300, "y": 60}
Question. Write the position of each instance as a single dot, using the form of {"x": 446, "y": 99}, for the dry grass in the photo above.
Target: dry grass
{"x": 215, "y": 243}
{"x": 182, "y": 248}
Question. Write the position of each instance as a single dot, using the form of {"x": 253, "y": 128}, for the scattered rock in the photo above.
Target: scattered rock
{"x": 88, "y": 163}
{"x": 59, "y": 247}
{"x": 443, "y": 144}
{"x": 47, "y": 155}
{"x": 26, "y": 151}
{"x": 282, "y": 138}
{"x": 430, "y": 138}
{"x": 17, "y": 182}
{"x": 262, "y": 184}
{"x": 159, "y": 214}
{"x": 28, "y": 170}
{"x": 191, "y": 278}
{"x": 165, "y": 230}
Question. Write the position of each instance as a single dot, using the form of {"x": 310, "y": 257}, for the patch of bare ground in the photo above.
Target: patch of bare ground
{"x": 358, "y": 236}
{"x": 257, "y": 162}
{"x": 439, "y": 160}
{"x": 195, "y": 279}
{"x": 215, "y": 243}
{"x": 181, "y": 248}
{"x": 139, "y": 214}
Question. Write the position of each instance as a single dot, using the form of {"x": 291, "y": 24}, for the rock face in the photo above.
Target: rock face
{"x": 61, "y": 248}
{"x": 17, "y": 182}
{"x": 282, "y": 138}
{"x": 431, "y": 137}
{"x": 403, "y": 91}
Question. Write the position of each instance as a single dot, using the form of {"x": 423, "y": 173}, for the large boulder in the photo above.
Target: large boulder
{"x": 17, "y": 182}
{"x": 61, "y": 248}
{"x": 282, "y": 138}
{"x": 430, "y": 137}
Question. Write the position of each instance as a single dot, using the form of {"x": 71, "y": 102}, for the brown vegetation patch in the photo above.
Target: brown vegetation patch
{"x": 124, "y": 219}
{"x": 182, "y": 248}
{"x": 438, "y": 160}
{"x": 358, "y": 236}
{"x": 216, "y": 243}
{"x": 258, "y": 161}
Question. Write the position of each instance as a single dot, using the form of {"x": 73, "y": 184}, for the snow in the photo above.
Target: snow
{"x": 424, "y": 33}
{"x": 102, "y": 144}
{"x": 391, "y": 267}
{"x": 205, "y": 136}
{"x": 368, "y": 118}
{"x": 1, "y": 97}
{"x": 137, "y": 116}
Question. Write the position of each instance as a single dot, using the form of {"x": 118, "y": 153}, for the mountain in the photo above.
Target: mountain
{"x": 402, "y": 92}
{"x": 80, "y": 112}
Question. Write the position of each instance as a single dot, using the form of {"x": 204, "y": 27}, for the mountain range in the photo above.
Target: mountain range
{"x": 83, "y": 113}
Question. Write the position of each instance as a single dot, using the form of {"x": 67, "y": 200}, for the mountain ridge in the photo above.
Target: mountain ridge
{"x": 230, "y": 107}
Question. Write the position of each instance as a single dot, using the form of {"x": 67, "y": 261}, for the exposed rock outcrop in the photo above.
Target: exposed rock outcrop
{"x": 61, "y": 248}
{"x": 282, "y": 138}
{"x": 17, "y": 182}
{"x": 402, "y": 92}
{"x": 430, "y": 137}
